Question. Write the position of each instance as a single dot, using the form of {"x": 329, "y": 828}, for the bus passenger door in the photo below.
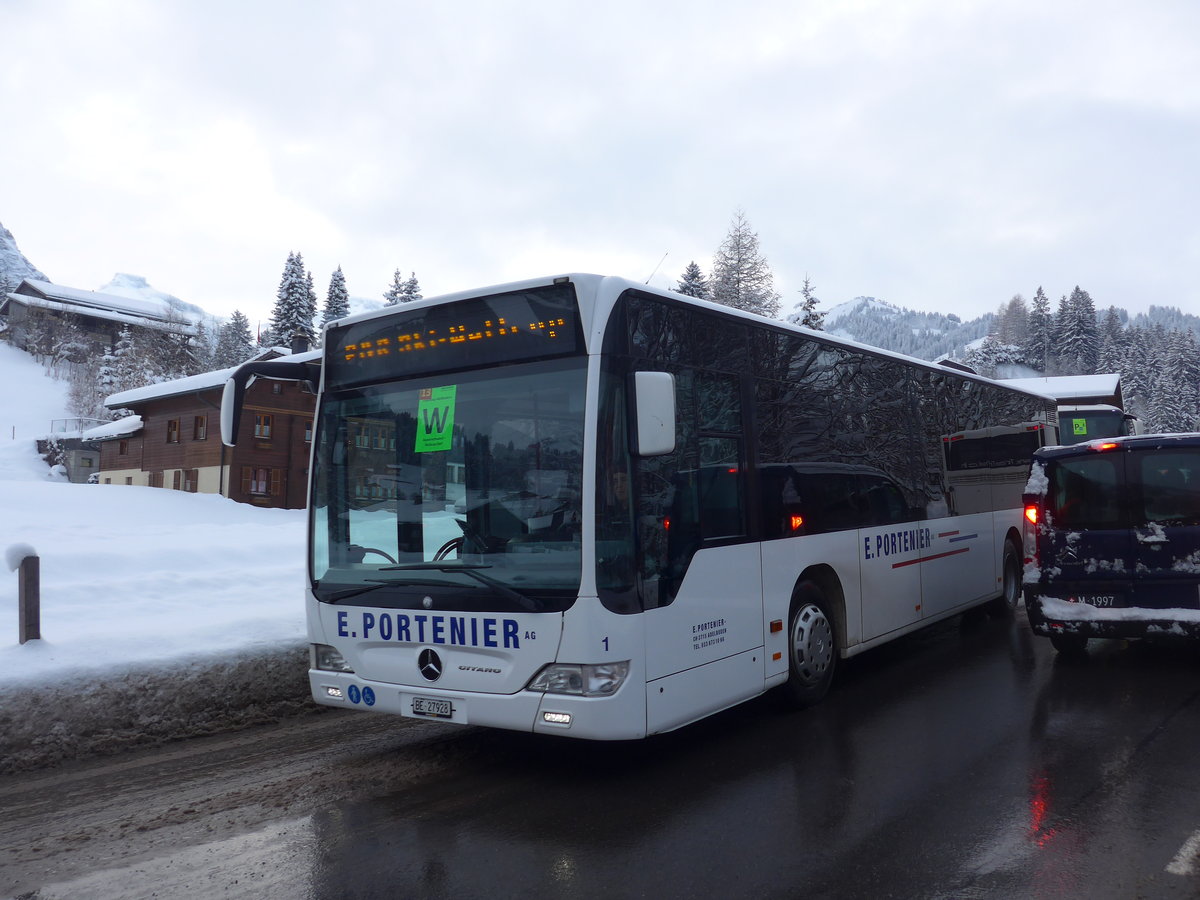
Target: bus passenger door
{"x": 891, "y": 550}
{"x": 702, "y": 637}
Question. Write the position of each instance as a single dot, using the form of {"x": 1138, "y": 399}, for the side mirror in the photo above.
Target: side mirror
{"x": 654, "y": 412}
{"x": 234, "y": 394}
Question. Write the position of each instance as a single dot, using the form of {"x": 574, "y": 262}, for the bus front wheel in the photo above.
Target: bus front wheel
{"x": 812, "y": 648}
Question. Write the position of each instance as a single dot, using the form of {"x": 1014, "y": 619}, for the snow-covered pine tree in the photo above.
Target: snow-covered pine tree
{"x": 395, "y": 292}
{"x": 337, "y": 300}
{"x": 412, "y": 289}
{"x": 235, "y": 344}
{"x": 296, "y": 303}
{"x": 1078, "y": 334}
{"x": 741, "y": 276}
{"x": 1039, "y": 341}
{"x": 310, "y": 333}
{"x": 1112, "y": 342}
{"x": 1137, "y": 375}
{"x": 1173, "y": 406}
{"x": 693, "y": 283}
{"x": 805, "y": 312}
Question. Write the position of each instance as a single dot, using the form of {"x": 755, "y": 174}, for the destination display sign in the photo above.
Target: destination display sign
{"x": 501, "y": 328}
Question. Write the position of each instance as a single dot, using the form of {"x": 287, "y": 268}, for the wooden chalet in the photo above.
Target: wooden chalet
{"x": 176, "y": 439}
{"x": 99, "y": 316}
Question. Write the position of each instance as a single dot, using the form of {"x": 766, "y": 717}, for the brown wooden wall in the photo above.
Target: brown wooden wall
{"x": 285, "y": 451}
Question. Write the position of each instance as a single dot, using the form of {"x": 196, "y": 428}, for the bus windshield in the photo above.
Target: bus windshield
{"x": 460, "y": 490}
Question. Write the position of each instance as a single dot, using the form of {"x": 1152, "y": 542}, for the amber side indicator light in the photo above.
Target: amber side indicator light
{"x": 1031, "y": 514}
{"x": 1107, "y": 445}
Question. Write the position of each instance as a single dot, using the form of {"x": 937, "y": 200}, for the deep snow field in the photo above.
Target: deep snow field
{"x": 132, "y": 576}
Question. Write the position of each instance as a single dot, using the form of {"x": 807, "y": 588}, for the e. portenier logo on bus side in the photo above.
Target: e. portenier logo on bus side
{"x": 892, "y": 543}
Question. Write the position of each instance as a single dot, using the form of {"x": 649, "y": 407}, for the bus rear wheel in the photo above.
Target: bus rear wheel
{"x": 1010, "y": 595}
{"x": 812, "y": 648}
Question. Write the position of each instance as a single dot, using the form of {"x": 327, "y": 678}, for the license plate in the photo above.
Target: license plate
{"x": 432, "y": 707}
{"x": 1104, "y": 601}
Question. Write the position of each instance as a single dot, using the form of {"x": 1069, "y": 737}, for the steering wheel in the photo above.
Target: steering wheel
{"x": 366, "y": 550}
{"x": 452, "y": 545}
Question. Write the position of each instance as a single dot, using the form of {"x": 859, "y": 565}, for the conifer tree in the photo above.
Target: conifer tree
{"x": 1039, "y": 340}
{"x": 741, "y": 276}
{"x": 412, "y": 289}
{"x": 1078, "y": 334}
{"x": 693, "y": 283}
{"x": 805, "y": 312}
{"x": 1112, "y": 342}
{"x": 337, "y": 300}
{"x": 395, "y": 292}
{"x": 296, "y": 304}
{"x": 235, "y": 344}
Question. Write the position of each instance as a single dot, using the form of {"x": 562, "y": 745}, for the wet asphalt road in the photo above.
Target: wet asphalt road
{"x": 965, "y": 761}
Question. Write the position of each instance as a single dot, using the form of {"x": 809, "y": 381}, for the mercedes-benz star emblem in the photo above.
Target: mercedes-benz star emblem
{"x": 430, "y": 665}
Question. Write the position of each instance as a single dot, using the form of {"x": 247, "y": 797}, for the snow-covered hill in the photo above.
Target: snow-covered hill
{"x": 135, "y": 287}
{"x": 924, "y": 335}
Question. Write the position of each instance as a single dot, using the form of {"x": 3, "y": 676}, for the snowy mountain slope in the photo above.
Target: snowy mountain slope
{"x": 924, "y": 335}
{"x": 135, "y": 287}
{"x": 13, "y": 264}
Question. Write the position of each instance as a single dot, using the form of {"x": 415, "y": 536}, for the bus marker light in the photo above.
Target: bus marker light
{"x": 776, "y": 625}
{"x": 1031, "y": 514}
{"x": 797, "y": 523}
{"x": 556, "y": 718}
{"x": 777, "y": 657}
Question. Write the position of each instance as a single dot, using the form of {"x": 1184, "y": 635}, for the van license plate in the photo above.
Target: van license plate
{"x": 432, "y": 707}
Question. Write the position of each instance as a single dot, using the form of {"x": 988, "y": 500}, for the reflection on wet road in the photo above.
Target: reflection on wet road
{"x": 965, "y": 761}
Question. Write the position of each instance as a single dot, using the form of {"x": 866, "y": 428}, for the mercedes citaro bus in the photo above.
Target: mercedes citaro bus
{"x": 579, "y": 505}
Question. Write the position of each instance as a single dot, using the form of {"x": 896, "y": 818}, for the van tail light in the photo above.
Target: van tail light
{"x": 1032, "y": 516}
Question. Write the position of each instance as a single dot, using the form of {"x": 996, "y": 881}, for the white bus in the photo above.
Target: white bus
{"x": 583, "y": 506}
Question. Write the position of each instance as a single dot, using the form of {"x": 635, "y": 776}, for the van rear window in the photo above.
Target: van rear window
{"x": 1085, "y": 492}
{"x": 1170, "y": 486}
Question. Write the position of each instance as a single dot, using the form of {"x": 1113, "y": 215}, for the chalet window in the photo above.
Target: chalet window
{"x": 155, "y": 479}
{"x": 108, "y": 481}
{"x": 177, "y": 480}
{"x": 122, "y": 448}
{"x": 261, "y": 481}
{"x": 262, "y": 426}
{"x": 308, "y": 426}
{"x": 129, "y": 479}
{"x": 173, "y": 431}
{"x": 276, "y": 388}
{"x": 191, "y": 480}
{"x": 200, "y": 428}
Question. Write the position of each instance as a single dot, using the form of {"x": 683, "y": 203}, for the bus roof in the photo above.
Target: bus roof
{"x": 592, "y": 283}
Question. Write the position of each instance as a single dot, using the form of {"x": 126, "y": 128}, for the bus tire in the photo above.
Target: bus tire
{"x": 1010, "y": 593}
{"x": 812, "y": 648}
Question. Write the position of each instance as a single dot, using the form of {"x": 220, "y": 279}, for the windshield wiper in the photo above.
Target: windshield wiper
{"x": 471, "y": 570}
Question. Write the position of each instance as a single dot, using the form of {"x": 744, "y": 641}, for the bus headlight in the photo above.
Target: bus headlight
{"x": 326, "y": 658}
{"x": 582, "y": 679}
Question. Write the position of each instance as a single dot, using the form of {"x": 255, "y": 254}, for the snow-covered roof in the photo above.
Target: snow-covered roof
{"x": 97, "y": 313}
{"x": 193, "y": 384}
{"x": 94, "y": 299}
{"x": 1071, "y": 387}
{"x": 109, "y": 430}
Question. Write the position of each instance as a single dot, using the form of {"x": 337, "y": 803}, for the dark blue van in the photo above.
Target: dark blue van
{"x": 1112, "y": 540}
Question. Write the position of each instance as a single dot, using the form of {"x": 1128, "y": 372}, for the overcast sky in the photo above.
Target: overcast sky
{"x": 938, "y": 155}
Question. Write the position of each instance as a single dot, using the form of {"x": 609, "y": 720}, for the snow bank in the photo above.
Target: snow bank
{"x": 136, "y": 575}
